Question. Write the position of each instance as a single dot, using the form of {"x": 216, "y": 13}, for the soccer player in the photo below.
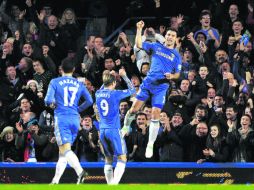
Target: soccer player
{"x": 64, "y": 94}
{"x": 107, "y": 101}
{"x": 166, "y": 65}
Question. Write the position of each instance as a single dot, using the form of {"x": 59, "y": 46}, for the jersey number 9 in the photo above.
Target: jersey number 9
{"x": 104, "y": 107}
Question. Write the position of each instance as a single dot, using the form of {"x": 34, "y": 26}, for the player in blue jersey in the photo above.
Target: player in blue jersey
{"x": 107, "y": 101}
{"x": 64, "y": 94}
{"x": 165, "y": 65}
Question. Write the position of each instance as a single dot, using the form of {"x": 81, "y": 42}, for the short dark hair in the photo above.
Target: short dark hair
{"x": 89, "y": 37}
{"x": 164, "y": 111}
{"x": 68, "y": 65}
{"x": 41, "y": 61}
{"x": 140, "y": 113}
{"x": 87, "y": 116}
{"x": 174, "y": 30}
{"x": 201, "y": 107}
{"x": 125, "y": 100}
{"x": 203, "y": 66}
{"x": 235, "y": 108}
{"x": 147, "y": 106}
{"x": 238, "y": 20}
{"x": 205, "y": 12}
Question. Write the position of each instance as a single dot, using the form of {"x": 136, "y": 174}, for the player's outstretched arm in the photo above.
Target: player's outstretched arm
{"x": 131, "y": 87}
{"x": 138, "y": 40}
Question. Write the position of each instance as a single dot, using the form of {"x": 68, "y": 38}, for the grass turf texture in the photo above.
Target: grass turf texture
{"x": 126, "y": 186}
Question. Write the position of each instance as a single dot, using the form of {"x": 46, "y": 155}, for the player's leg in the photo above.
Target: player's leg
{"x": 158, "y": 101}
{"x": 131, "y": 113}
{"x": 72, "y": 160}
{"x": 60, "y": 167}
{"x": 120, "y": 168}
{"x": 141, "y": 97}
{"x": 62, "y": 162}
{"x": 153, "y": 131}
{"x": 120, "y": 150}
{"x": 108, "y": 168}
{"x": 68, "y": 133}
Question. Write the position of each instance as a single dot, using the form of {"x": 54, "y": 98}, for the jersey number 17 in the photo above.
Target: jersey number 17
{"x": 69, "y": 91}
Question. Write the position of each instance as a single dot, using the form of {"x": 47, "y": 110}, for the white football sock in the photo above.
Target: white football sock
{"x": 73, "y": 161}
{"x": 108, "y": 171}
{"x": 118, "y": 172}
{"x": 153, "y": 132}
{"x": 60, "y": 167}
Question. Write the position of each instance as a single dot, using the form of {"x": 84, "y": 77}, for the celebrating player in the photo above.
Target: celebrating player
{"x": 64, "y": 94}
{"x": 166, "y": 65}
{"x": 107, "y": 101}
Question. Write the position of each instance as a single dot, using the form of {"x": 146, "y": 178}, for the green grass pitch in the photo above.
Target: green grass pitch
{"x": 126, "y": 186}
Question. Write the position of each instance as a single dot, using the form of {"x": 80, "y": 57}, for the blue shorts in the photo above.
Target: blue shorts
{"x": 112, "y": 142}
{"x": 66, "y": 129}
{"x": 157, "y": 93}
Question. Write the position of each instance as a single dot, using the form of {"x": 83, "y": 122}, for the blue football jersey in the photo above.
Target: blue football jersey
{"x": 164, "y": 60}
{"x": 65, "y": 92}
{"x": 107, "y": 102}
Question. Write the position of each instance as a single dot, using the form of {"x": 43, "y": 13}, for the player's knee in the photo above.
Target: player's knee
{"x": 156, "y": 113}
{"x": 122, "y": 158}
{"x": 108, "y": 160}
{"x": 64, "y": 148}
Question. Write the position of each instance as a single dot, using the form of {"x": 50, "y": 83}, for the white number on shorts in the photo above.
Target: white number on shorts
{"x": 72, "y": 91}
{"x": 104, "y": 107}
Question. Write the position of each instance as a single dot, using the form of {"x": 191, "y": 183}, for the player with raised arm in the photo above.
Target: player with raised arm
{"x": 165, "y": 65}
{"x": 64, "y": 94}
{"x": 107, "y": 101}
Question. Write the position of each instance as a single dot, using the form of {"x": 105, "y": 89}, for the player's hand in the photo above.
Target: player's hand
{"x": 122, "y": 72}
{"x": 168, "y": 76}
{"x": 140, "y": 25}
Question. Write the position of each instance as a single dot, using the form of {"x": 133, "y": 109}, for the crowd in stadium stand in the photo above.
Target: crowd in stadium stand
{"x": 208, "y": 115}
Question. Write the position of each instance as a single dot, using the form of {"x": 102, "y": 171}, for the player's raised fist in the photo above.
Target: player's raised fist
{"x": 140, "y": 24}
{"x": 122, "y": 72}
